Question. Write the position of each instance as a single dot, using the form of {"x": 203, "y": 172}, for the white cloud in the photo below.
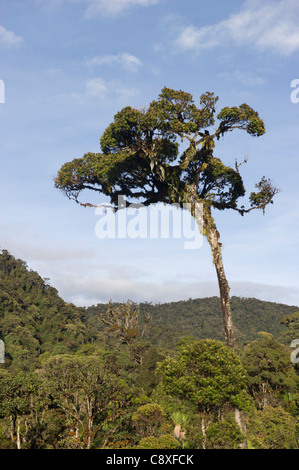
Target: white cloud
{"x": 288, "y": 295}
{"x": 126, "y": 60}
{"x": 96, "y": 88}
{"x": 194, "y": 38}
{"x": 248, "y": 78}
{"x": 114, "y": 7}
{"x": 87, "y": 290}
{"x": 268, "y": 25}
{"x": 8, "y": 38}
{"x": 100, "y": 90}
{"x": 96, "y": 289}
{"x": 245, "y": 77}
{"x": 102, "y": 7}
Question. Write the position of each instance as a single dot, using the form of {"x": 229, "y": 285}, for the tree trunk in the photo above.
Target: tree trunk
{"x": 204, "y": 427}
{"x": 177, "y": 433}
{"x": 207, "y": 225}
{"x": 89, "y": 421}
{"x": 242, "y": 425}
{"x": 12, "y": 428}
{"x": 18, "y": 432}
{"x": 264, "y": 400}
{"x": 89, "y": 430}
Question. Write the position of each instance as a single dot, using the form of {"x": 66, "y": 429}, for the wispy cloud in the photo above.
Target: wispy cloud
{"x": 245, "y": 77}
{"x": 8, "y": 38}
{"x": 115, "y": 7}
{"x": 100, "y": 90}
{"x": 268, "y": 25}
{"x": 128, "y": 61}
{"x": 104, "y": 8}
{"x": 96, "y": 87}
{"x": 87, "y": 290}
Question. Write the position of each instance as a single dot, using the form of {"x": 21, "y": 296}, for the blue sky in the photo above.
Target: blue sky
{"x": 69, "y": 65}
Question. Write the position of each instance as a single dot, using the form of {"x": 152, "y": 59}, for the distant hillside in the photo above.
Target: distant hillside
{"x": 202, "y": 318}
{"x": 33, "y": 318}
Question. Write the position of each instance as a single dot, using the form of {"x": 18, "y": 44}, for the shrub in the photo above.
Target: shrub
{"x": 166, "y": 441}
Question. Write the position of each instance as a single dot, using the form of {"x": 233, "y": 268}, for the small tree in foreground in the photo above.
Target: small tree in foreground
{"x": 141, "y": 159}
{"x": 208, "y": 375}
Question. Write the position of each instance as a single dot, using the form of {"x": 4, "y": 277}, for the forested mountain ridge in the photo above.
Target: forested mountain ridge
{"x": 201, "y": 319}
{"x": 34, "y": 319}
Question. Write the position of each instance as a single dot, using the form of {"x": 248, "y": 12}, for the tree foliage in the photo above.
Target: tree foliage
{"x": 206, "y": 373}
{"x": 269, "y": 369}
{"x": 141, "y": 156}
{"x": 272, "y": 428}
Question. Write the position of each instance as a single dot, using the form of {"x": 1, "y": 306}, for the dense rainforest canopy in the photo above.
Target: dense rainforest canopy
{"x": 144, "y": 376}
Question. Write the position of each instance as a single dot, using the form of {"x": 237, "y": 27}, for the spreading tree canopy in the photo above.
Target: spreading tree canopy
{"x": 141, "y": 159}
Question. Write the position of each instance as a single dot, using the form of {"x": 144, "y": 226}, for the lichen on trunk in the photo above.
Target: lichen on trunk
{"x": 213, "y": 236}
{"x": 207, "y": 227}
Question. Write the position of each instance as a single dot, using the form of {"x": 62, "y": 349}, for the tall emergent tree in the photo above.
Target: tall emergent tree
{"x": 141, "y": 158}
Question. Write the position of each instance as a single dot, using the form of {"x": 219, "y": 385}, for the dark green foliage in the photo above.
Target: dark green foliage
{"x": 85, "y": 391}
{"x": 291, "y": 321}
{"x": 242, "y": 117}
{"x": 207, "y": 374}
{"x": 141, "y": 156}
{"x": 23, "y": 402}
{"x": 33, "y": 318}
{"x": 166, "y": 441}
{"x": 148, "y": 418}
{"x": 265, "y": 194}
{"x": 146, "y": 380}
{"x": 272, "y": 428}
{"x": 224, "y": 434}
{"x": 269, "y": 369}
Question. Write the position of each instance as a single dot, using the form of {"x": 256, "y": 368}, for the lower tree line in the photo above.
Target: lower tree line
{"x": 202, "y": 395}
